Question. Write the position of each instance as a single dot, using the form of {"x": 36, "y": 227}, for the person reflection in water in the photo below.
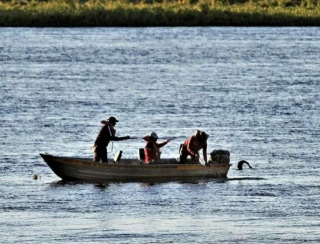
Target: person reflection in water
{"x": 193, "y": 145}
{"x": 105, "y": 135}
{"x": 152, "y": 149}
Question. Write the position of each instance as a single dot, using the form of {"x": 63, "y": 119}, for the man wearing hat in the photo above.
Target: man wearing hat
{"x": 106, "y": 134}
{"x": 152, "y": 149}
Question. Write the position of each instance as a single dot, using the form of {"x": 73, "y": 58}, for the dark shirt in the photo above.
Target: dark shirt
{"x": 105, "y": 136}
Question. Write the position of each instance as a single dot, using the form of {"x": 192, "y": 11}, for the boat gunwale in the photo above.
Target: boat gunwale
{"x": 86, "y": 162}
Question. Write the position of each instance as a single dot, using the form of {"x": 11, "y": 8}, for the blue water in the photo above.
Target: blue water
{"x": 254, "y": 90}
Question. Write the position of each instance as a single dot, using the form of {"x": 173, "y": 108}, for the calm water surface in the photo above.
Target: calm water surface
{"x": 254, "y": 90}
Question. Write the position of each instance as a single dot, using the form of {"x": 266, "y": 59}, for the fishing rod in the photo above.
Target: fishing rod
{"x": 136, "y": 137}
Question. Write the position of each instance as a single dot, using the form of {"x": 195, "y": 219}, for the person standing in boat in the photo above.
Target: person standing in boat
{"x": 193, "y": 145}
{"x": 106, "y": 134}
{"x": 152, "y": 149}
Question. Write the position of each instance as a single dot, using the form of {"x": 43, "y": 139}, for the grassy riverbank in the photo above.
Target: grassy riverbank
{"x": 81, "y": 13}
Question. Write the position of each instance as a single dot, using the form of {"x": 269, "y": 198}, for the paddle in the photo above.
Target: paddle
{"x": 135, "y": 138}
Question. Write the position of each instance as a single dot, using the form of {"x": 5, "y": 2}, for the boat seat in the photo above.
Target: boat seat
{"x": 117, "y": 156}
{"x": 141, "y": 155}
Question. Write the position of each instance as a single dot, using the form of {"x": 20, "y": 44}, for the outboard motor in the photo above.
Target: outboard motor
{"x": 219, "y": 157}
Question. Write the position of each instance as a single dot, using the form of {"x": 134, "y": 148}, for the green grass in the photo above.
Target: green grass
{"x": 77, "y": 13}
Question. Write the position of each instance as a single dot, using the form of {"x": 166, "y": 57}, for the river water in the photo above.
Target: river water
{"x": 254, "y": 90}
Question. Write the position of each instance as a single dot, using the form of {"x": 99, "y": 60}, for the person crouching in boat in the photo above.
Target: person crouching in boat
{"x": 106, "y": 134}
{"x": 152, "y": 149}
{"x": 193, "y": 145}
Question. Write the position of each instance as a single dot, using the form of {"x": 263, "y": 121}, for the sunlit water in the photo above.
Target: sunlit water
{"x": 254, "y": 90}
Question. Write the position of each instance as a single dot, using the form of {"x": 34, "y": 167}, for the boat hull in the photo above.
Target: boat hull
{"x": 77, "y": 169}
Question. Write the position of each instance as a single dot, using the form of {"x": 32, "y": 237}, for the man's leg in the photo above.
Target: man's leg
{"x": 100, "y": 154}
{"x": 96, "y": 157}
{"x": 104, "y": 155}
{"x": 183, "y": 154}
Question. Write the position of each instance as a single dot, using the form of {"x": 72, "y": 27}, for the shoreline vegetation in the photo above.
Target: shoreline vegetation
{"x": 152, "y": 13}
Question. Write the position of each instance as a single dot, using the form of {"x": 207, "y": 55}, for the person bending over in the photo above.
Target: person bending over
{"x": 193, "y": 145}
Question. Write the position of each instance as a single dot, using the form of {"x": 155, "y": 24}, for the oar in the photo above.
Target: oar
{"x": 134, "y": 138}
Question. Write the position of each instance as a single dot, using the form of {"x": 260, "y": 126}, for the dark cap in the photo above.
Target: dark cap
{"x": 113, "y": 120}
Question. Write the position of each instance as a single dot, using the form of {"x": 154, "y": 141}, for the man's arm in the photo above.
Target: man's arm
{"x": 163, "y": 143}
{"x": 116, "y": 138}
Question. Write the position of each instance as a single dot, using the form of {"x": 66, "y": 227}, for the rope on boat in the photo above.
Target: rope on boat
{"x": 203, "y": 163}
